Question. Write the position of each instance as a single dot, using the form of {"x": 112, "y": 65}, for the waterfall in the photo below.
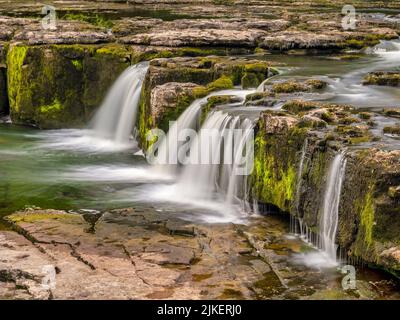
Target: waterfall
{"x": 226, "y": 157}
{"x": 330, "y": 211}
{"x": 117, "y": 115}
{"x": 328, "y": 222}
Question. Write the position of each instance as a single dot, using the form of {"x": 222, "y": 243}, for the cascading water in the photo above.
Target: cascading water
{"x": 117, "y": 115}
{"x": 330, "y": 213}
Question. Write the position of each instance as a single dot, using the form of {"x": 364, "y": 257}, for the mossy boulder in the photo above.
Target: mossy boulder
{"x": 273, "y": 180}
{"x": 4, "y": 107}
{"x": 59, "y": 86}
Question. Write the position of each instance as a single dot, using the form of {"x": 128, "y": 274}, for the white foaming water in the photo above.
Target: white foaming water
{"x": 324, "y": 243}
{"x": 349, "y": 88}
{"x": 117, "y": 115}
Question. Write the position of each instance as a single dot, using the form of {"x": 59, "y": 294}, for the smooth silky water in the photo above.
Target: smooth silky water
{"x": 94, "y": 170}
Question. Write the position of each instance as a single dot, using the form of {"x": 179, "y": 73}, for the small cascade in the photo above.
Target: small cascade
{"x": 117, "y": 115}
{"x": 330, "y": 213}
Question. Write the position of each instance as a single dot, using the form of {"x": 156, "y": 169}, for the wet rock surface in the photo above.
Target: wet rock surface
{"x": 142, "y": 254}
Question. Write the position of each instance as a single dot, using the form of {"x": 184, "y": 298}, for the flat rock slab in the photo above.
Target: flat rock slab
{"x": 132, "y": 254}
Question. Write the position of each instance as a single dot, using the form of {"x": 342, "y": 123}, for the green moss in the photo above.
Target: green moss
{"x": 367, "y": 215}
{"x": 212, "y": 102}
{"x": 392, "y": 129}
{"x": 250, "y": 80}
{"x": 382, "y": 79}
{"x": 78, "y": 64}
{"x": 365, "y": 115}
{"x": 15, "y": 60}
{"x": 114, "y": 50}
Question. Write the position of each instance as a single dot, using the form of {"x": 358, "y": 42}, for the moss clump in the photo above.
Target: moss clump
{"x": 214, "y": 101}
{"x": 54, "y": 107}
{"x": 78, "y": 64}
{"x": 348, "y": 120}
{"x": 394, "y": 113}
{"x": 363, "y": 42}
{"x": 367, "y": 215}
{"x": 96, "y": 19}
{"x": 365, "y": 115}
{"x": 297, "y": 106}
{"x": 274, "y": 176}
{"x": 40, "y": 216}
{"x": 383, "y": 79}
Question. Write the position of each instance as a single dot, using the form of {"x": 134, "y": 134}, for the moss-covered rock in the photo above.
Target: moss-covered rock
{"x": 277, "y": 142}
{"x": 58, "y": 86}
{"x": 4, "y": 107}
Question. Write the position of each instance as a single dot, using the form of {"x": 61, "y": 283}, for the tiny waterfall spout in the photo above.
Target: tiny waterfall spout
{"x": 330, "y": 211}
{"x": 117, "y": 115}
